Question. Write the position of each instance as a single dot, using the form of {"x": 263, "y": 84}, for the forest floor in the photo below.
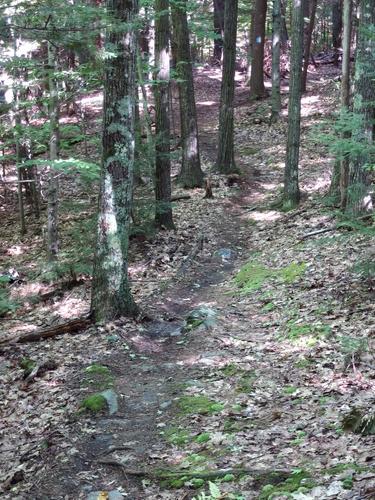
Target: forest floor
{"x": 255, "y": 362}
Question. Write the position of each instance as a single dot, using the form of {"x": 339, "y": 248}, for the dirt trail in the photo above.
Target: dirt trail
{"x": 263, "y": 387}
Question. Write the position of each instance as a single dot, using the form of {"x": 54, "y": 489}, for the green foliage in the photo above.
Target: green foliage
{"x": 27, "y": 365}
{"x": 199, "y": 405}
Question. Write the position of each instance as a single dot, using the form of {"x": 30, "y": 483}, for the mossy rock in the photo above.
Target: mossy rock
{"x": 94, "y": 403}
{"x": 199, "y": 405}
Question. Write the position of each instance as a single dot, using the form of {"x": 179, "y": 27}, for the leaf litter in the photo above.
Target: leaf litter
{"x": 269, "y": 384}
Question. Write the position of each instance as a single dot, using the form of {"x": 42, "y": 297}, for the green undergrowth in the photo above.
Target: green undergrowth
{"x": 253, "y": 275}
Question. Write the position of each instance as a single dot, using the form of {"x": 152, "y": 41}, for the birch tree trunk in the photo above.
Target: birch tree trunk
{"x": 163, "y": 209}
{"x": 191, "y": 175}
{"x": 111, "y": 295}
{"x": 225, "y": 162}
{"x": 291, "y": 186}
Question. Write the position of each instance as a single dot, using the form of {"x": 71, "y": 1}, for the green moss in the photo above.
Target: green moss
{"x": 248, "y": 151}
{"x": 230, "y": 369}
{"x": 290, "y": 389}
{"x": 253, "y": 275}
{"x": 291, "y": 273}
{"x": 94, "y": 403}
{"x": 299, "y": 481}
{"x": 303, "y": 362}
{"x": 177, "y": 436}
{"x": 95, "y": 369}
{"x": 246, "y": 383}
{"x": 98, "y": 376}
{"x": 196, "y": 483}
{"x": 269, "y": 307}
{"x": 295, "y": 331}
{"x": 202, "y": 405}
{"x": 203, "y": 438}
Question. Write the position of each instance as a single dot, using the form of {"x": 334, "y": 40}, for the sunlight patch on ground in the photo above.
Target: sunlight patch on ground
{"x": 15, "y": 250}
{"x": 319, "y": 184}
{"x": 206, "y": 103}
{"x": 309, "y": 105}
{"x": 270, "y": 216}
{"x": 71, "y": 307}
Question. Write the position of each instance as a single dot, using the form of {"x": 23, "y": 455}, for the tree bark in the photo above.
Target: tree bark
{"x": 218, "y": 29}
{"x": 54, "y": 147}
{"x": 191, "y": 175}
{"x": 336, "y": 23}
{"x": 363, "y": 106}
{"x": 111, "y": 295}
{"x": 343, "y": 177}
{"x": 257, "y": 89}
{"x": 225, "y": 162}
{"x": 163, "y": 208}
{"x": 291, "y": 186}
{"x": 307, "y": 44}
{"x": 276, "y": 41}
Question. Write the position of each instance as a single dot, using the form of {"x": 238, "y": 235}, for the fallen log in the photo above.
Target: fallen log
{"x": 74, "y": 326}
{"x": 181, "y": 197}
{"x": 214, "y": 474}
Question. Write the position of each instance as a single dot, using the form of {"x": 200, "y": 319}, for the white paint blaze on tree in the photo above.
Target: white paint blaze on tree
{"x": 111, "y": 296}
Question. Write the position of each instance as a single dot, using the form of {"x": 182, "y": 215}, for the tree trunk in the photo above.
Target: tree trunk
{"x": 307, "y": 44}
{"x": 336, "y": 26}
{"x": 111, "y": 295}
{"x": 276, "y": 41}
{"x": 364, "y": 106}
{"x": 291, "y": 187}
{"x": 225, "y": 158}
{"x": 257, "y": 89}
{"x": 343, "y": 178}
{"x": 191, "y": 175}
{"x": 218, "y": 29}
{"x": 53, "y": 183}
{"x": 163, "y": 208}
